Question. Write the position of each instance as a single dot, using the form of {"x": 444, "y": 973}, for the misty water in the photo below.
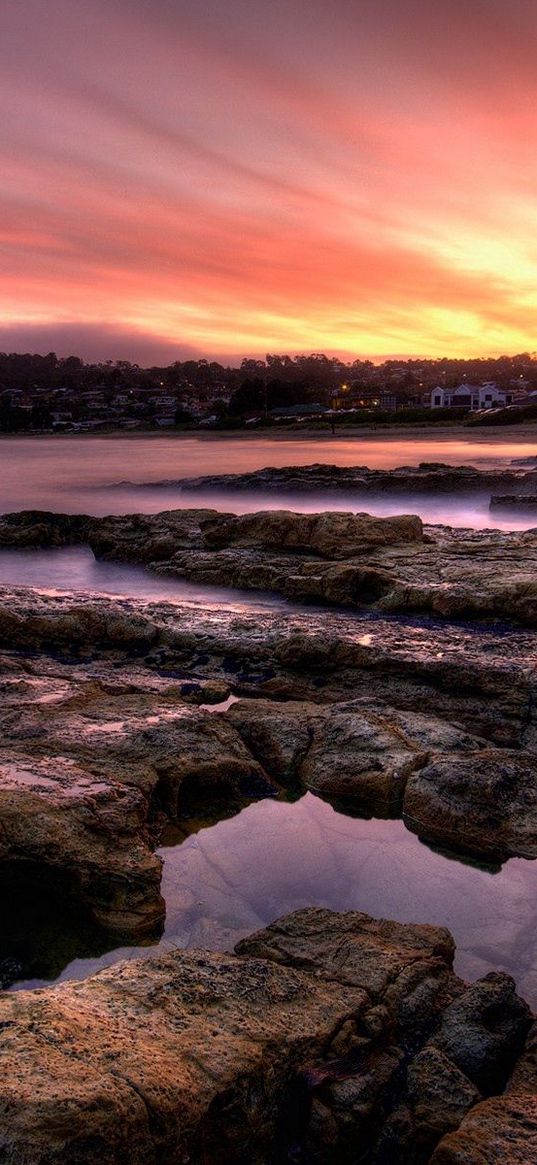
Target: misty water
{"x": 81, "y": 474}
{"x": 75, "y": 570}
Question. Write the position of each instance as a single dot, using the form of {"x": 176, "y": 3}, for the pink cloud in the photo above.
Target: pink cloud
{"x": 360, "y": 179}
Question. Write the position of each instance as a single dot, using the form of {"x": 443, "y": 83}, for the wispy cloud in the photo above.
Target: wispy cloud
{"x": 259, "y": 177}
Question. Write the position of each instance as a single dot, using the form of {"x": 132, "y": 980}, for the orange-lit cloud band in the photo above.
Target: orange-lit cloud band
{"x": 239, "y": 177}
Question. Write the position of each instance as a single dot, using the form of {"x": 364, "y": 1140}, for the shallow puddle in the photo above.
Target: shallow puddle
{"x": 229, "y": 879}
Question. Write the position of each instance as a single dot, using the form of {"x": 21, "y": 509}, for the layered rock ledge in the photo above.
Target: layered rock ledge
{"x": 326, "y": 1038}
{"x": 392, "y": 565}
{"x": 429, "y": 477}
{"x": 108, "y": 735}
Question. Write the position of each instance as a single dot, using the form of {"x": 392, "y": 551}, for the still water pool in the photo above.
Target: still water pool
{"x": 228, "y": 879}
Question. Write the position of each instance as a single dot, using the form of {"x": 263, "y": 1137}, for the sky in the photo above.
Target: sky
{"x": 228, "y": 178}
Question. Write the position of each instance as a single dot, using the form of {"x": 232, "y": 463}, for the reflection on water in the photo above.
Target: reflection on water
{"x": 72, "y": 474}
{"x": 74, "y": 569}
{"x": 227, "y": 880}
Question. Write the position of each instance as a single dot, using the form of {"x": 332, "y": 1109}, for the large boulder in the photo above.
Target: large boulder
{"x": 484, "y": 805}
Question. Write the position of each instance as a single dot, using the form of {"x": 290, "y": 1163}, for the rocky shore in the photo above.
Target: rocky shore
{"x": 108, "y": 734}
{"x": 393, "y": 565}
{"x": 326, "y": 1037}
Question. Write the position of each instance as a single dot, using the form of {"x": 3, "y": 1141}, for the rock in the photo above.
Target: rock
{"x": 483, "y": 1031}
{"x": 429, "y": 477}
{"x": 277, "y": 734}
{"x": 351, "y": 753}
{"x": 186, "y": 1058}
{"x": 209, "y": 1057}
{"x": 439, "y": 1096}
{"x": 513, "y": 501}
{"x": 89, "y": 773}
{"x": 57, "y": 815}
{"x": 403, "y": 967}
{"x": 303, "y": 1046}
{"x": 331, "y": 535}
{"x": 486, "y": 805}
{"x": 503, "y": 1129}
{"x": 356, "y": 758}
{"x": 146, "y": 538}
{"x": 119, "y": 726}
{"x": 343, "y": 559}
{"x": 39, "y": 528}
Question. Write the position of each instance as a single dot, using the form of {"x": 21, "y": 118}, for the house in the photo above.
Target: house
{"x": 470, "y": 397}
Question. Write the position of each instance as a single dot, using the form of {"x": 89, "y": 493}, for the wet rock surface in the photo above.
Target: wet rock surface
{"x": 321, "y": 1040}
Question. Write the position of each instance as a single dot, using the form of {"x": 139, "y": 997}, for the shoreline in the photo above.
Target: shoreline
{"x": 489, "y": 434}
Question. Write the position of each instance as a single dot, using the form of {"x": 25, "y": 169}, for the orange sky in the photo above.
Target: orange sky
{"x": 244, "y": 177}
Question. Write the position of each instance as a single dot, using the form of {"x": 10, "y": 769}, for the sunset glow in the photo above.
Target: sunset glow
{"x": 238, "y": 178}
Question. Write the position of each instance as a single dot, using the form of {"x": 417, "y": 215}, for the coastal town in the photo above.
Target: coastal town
{"x": 55, "y": 394}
